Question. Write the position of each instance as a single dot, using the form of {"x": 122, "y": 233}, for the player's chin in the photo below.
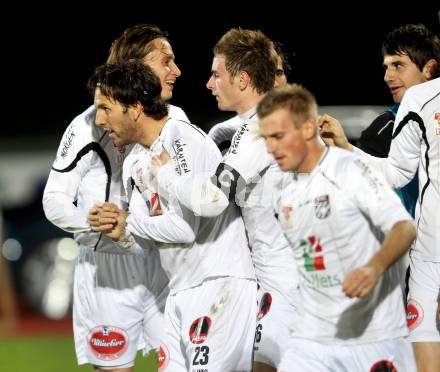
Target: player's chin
{"x": 166, "y": 94}
{"x": 282, "y": 164}
{"x": 118, "y": 142}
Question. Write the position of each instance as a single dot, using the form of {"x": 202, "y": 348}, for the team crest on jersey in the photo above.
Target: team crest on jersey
{"x": 199, "y": 330}
{"x": 163, "y": 358}
{"x": 322, "y": 206}
{"x": 414, "y": 314}
{"x": 383, "y": 366}
{"x": 437, "y": 120}
{"x": 107, "y": 343}
{"x": 265, "y": 303}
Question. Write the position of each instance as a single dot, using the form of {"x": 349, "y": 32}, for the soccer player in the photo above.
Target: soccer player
{"x": 119, "y": 295}
{"x": 211, "y": 310}
{"x": 243, "y": 71}
{"x": 223, "y": 132}
{"x": 347, "y": 229}
{"x": 415, "y": 145}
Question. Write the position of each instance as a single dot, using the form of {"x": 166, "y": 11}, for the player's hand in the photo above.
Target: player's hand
{"x": 158, "y": 161}
{"x": 332, "y": 133}
{"x": 117, "y": 233}
{"x": 103, "y": 217}
{"x": 361, "y": 281}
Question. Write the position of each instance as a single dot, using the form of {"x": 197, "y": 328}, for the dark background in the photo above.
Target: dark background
{"x": 50, "y": 53}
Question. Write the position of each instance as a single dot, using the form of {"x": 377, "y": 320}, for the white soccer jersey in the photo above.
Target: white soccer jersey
{"x": 209, "y": 247}
{"x": 271, "y": 254}
{"x": 246, "y": 158}
{"x": 416, "y": 145}
{"x": 223, "y": 132}
{"x": 111, "y": 285}
{"x": 87, "y": 170}
{"x": 335, "y": 219}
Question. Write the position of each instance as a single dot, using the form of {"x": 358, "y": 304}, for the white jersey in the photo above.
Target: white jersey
{"x": 194, "y": 248}
{"x": 271, "y": 254}
{"x": 254, "y": 175}
{"x": 335, "y": 219}
{"x": 223, "y": 132}
{"x": 121, "y": 290}
{"x": 416, "y": 145}
{"x": 87, "y": 170}
{"x": 201, "y": 193}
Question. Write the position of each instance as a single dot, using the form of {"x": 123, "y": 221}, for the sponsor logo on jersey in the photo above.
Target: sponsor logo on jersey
{"x": 163, "y": 358}
{"x": 383, "y": 366}
{"x": 180, "y": 157}
{"x": 199, "y": 330}
{"x": 67, "y": 143}
{"x": 286, "y": 211}
{"x": 310, "y": 248}
{"x": 322, "y": 280}
{"x": 265, "y": 303}
{"x": 237, "y": 138}
{"x": 322, "y": 206}
{"x": 414, "y": 314}
{"x": 107, "y": 343}
{"x": 437, "y": 120}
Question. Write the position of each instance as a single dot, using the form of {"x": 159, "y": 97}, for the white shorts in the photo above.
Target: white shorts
{"x": 421, "y": 310}
{"x": 210, "y": 327}
{"x": 310, "y": 356}
{"x": 118, "y": 305}
{"x": 274, "y": 319}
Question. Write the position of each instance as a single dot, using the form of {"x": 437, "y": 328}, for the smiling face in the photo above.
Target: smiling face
{"x": 161, "y": 61}
{"x": 400, "y": 74}
{"x": 116, "y": 119}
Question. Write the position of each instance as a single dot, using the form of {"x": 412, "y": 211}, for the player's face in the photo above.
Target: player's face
{"x": 223, "y": 87}
{"x": 161, "y": 61}
{"x": 280, "y": 76}
{"x": 400, "y": 74}
{"x": 284, "y": 140}
{"x": 115, "y": 119}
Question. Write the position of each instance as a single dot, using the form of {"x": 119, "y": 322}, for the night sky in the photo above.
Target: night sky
{"x": 49, "y": 58}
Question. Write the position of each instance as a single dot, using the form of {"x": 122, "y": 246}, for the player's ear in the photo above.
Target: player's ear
{"x": 137, "y": 109}
{"x": 430, "y": 68}
{"x": 309, "y": 128}
{"x": 244, "y": 80}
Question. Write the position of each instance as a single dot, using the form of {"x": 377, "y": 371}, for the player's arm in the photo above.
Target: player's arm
{"x": 361, "y": 281}
{"x": 380, "y": 204}
{"x": 208, "y": 194}
{"x": 117, "y": 224}
{"x": 63, "y": 182}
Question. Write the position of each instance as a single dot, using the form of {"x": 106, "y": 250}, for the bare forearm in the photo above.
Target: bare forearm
{"x": 396, "y": 243}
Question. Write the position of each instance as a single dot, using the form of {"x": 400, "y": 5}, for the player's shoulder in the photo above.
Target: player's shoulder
{"x": 177, "y": 113}
{"x": 179, "y": 128}
{"x": 418, "y": 95}
{"x": 85, "y": 119}
{"x": 340, "y": 160}
{"x": 233, "y": 123}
